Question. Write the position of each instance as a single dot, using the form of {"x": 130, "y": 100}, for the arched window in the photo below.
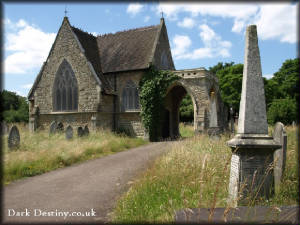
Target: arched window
{"x": 164, "y": 61}
{"x": 65, "y": 89}
{"x": 130, "y": 97}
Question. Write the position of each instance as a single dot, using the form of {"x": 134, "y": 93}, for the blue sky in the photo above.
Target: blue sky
{"x": 200, "y": 34}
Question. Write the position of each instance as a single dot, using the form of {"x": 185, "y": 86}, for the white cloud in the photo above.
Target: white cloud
{"x": 26, "y": 47}
{"x": 181, "y": 44}
{"x": 277, "y": 21}
{"x": 26, "y": 86}
{"x": 214, "y": 46}
{"x": 134, "y": 8}
{"x": 187, "y": 23}
{"x": 146, "y": 19}
{"x": 268, "y": 76}
{"x": 274, "y": 20}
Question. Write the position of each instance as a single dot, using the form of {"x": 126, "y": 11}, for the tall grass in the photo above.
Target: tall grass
{"x": 195, "y": 173}
{"x": 40, "y": 152}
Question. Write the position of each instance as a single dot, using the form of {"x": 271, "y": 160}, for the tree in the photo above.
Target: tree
{"x": 282, "y": 110}
{"x": 14, "y": 107}
{"x": 230, "y": 82}
{"x": 186, "y": 110}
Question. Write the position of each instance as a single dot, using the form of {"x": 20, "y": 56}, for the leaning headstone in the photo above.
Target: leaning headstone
{"x": 4, "y": 128}
{"x": 53, "y": 127}
{"x": 79, "y": 132}
{"x": 13, "y": 138}
{"x": 60, "y": 127}
{"x": 86, "y": 131}
{"x": 69, "y": 132}
{"x": 279, "y": 135}
{"x": 251, "y": 175}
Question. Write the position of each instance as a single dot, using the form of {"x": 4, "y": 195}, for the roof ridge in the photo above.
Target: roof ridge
{"x": 129, "y": 30}
{"x": 82, "y": 31}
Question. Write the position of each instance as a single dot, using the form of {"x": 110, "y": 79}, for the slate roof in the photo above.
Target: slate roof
{"x": 127, "y": 50}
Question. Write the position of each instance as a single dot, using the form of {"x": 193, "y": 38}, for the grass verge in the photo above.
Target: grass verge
{"x": 39, "y": 153}
{"x": 195, "y": 173}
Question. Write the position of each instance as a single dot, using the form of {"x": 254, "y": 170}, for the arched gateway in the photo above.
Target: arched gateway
{"x": 209, "y": 111}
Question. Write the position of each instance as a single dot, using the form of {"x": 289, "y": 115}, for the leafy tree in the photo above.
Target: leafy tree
{"x": 282, "y": 110}
{"x": 230, "y": 82}
{"x": 14, "y": 107}
{"x": 186, "y": 110}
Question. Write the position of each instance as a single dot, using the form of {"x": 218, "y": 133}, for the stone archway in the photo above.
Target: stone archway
{"x": 203, "y": 88}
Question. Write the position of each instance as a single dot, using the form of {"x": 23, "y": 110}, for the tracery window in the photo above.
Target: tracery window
{"x": 65, "y": 89}
{"x": 130, "y": 97}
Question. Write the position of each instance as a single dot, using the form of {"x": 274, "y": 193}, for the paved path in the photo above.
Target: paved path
{"x": 92, "y": 186}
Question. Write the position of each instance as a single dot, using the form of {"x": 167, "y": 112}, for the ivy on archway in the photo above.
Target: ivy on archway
{"x": 153, "y": 87}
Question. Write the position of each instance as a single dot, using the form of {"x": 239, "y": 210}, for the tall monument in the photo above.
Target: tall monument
{"x": 251, "y": 174}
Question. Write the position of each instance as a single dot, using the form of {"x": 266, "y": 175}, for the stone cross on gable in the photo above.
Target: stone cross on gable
{"x": 66, "y": 11}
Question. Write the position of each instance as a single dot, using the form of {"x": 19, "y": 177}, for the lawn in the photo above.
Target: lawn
{"x": 195, "y": 173}
{"x": 40, "y": 152}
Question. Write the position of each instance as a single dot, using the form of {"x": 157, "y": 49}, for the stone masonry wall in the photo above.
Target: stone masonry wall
{"x": 66, "y": 47}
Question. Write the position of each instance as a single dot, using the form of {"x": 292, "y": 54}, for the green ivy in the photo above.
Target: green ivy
{"x": 153, "y": 87}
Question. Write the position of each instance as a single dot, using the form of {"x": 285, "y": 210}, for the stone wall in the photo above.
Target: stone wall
{"x": 67, "y": 47}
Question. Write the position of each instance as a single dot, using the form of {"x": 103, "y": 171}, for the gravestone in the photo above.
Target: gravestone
{"x": 13, "y": 138}
{"x": 86, "y": 131}
{"x": 60, "y": 127}
{"x": 251, "y": 174}
{"x": 93, "y": 123}
{"x": 279, "y": 135}
{"x": 80, "y": 132}
{"x": 69, "y": 132}
{"x": 53, "y": 127}
{"x": 32, "y": 124}
{"x": 4, "y": 128}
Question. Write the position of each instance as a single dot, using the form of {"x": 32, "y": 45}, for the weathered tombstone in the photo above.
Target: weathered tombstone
{"x": 93, "y": 123}
{"x": 13, "y": 138}
{"x": 251, "y": 174}
{"x": 293, "y": 124}
{"x": 231, "y": 120}
{"x": 79, "y": 132}
{"x": 4, "y": 128}
{"x": 279, "y": 135}
{"x": 32, "y": 124}
{"x": 69, "y": 132}
{"x": 86, "y": 131}
{"x": 60, "y": 127}
{"x": 53, "y": 127}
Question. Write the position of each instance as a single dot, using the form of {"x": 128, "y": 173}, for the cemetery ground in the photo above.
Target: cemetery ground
{"x": 40, "y": 152}
{"x": 195, "y": 174}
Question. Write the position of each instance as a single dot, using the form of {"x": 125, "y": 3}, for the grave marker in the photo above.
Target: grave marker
{"x": 14, "y": 138}
{"x": 69, "y": 132}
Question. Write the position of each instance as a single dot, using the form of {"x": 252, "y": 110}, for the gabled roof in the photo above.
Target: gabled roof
{"x": 89, "y": 44}
{"x": 127, "y": 50}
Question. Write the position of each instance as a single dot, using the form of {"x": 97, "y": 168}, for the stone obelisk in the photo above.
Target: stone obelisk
{"x": 251, "y": 174}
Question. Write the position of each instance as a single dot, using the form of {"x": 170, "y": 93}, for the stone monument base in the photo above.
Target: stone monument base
{"x": 251, "y": 174}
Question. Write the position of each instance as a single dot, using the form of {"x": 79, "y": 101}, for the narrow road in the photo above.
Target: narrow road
{"x": 88, "y": 190}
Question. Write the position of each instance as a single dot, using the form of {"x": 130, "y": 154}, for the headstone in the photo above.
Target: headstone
{"x": 53, "y": 127}
{"x": 251, "y": 174}
{"x": 279, "y": 135}
{"x": 60, "y": 127}
{"x": 32, "y": 124}
{"x": 86, "y": 131}
{"x": 13, "y": 138}
{"x": 231, "y": 120}
{"x": 4, "y": 128}
{"x": 93, "y": 123}
{"x": 293, "y": 124}
{"x": 79, "y": 132}
{"x": 69, "y": 132}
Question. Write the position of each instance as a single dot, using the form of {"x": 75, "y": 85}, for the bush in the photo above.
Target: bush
{"x": 283, "y": 110}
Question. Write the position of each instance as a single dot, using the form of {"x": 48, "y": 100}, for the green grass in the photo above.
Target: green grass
{"x": 39, "y": 153}
{"x": 195, "y": 173}
{"x": 186, "y": 131}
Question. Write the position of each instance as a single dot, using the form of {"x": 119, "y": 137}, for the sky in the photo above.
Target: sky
{"x": 201, "y": 34}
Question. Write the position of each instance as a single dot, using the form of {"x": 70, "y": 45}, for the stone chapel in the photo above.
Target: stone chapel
{"x": 93, "y": 81}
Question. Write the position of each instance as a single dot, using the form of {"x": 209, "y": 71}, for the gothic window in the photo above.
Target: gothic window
{"x": 164, "y": 61}
{"x": 65, "y": 89}
{"x": 130, "y": 97}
